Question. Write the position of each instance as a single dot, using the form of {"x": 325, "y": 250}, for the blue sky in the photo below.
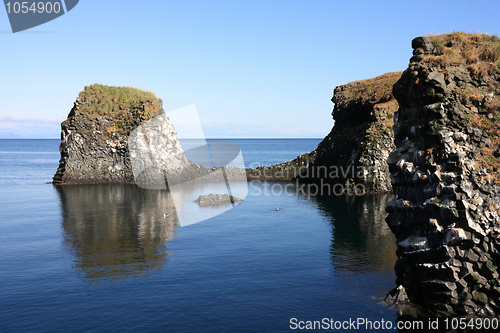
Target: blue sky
{"x": 252, "y": 68}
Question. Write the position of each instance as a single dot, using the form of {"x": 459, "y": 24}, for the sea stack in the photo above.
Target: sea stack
{"x": 445, "y": 175}
{"x": 95, "y": 137}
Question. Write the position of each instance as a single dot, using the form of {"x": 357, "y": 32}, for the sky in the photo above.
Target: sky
{"x": 252, "y": 69}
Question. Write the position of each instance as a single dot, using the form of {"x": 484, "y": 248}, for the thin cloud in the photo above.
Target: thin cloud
{"x": 34, "y": 120}
{"x": 30, "y": 127}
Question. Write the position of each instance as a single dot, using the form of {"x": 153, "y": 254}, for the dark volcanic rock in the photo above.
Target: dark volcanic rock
{"x": 397, "y": 296}
{"x": 445, "y": 174}
{"x": 286, "y": 171}
{"x": 361, "y": 139}
{"x": 358, "y": 145}
{"x": 95, "y": 137}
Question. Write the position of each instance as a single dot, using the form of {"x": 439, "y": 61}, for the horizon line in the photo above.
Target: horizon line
{"x": 210, "y": 138}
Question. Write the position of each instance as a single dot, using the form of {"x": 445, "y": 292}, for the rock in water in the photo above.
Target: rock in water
{"x": 95, "y": 137}
{"x": 445, "y": 175}
{"x": 216, "y": 199}
{"x": 358, "y": 145}
{"x": 397, "y": 296}
{"x": 361, "y": 139}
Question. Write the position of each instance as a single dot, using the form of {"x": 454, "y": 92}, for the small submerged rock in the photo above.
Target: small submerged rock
{"x": 397, "y": 296}
{"x": 216, "y": 199}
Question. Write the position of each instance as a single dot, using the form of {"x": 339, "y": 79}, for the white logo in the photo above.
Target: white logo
{"x": 197, "y": 168}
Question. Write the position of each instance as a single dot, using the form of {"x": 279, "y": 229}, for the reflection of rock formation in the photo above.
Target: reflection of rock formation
{"x": 360, "y": 236}
{"x": 117, "y": 231}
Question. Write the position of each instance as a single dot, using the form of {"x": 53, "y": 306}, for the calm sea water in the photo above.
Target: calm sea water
{"x": 108, "y": 259}
{"x": 258, "y": 152}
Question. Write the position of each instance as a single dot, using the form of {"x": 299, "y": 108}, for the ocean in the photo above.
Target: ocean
{"x": 107, "y": 258}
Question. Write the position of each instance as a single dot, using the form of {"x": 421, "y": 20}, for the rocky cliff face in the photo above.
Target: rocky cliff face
{"x": 94, "y": 138}
{"x": 358, "y": 145}
{"x": 445, "y": 174}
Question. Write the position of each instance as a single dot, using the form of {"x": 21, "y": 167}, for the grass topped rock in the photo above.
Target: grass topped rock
{"x": 94, "y": 138}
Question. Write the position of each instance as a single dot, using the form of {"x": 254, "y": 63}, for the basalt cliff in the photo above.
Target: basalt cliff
{"x": 96, "y": 137}
{"x": 445, "y": 175}
{"x": 361, "y": 139}
{"x": 358, "y": 145}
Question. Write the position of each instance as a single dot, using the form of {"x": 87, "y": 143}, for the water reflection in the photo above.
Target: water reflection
{"x": 116, "y": 231}
{"x": 360, "y": 237}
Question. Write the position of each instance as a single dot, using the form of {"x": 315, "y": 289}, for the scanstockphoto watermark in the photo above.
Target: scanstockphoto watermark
{"x": 427, "y": 324}
{"x": 188, "y": 171}
{"x": 25, "y": 15}
{"x": 202, "y": 168}
{"x": 307, "y": 170}
{"x": 320, "y": 179}
{"x": 344, "y": 325}
{"x": 307, "y": 190}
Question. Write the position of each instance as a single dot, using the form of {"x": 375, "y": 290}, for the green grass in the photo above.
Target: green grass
{"x": 468, "y": 91}
{"x": 125, "y": 94}
{"x": 102, "y": 100}
{"x": 117, "y": 110}
{"x": 490, "y": 159}
{"x": 373, "y": 89}
{"x": 479, "y": 52}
